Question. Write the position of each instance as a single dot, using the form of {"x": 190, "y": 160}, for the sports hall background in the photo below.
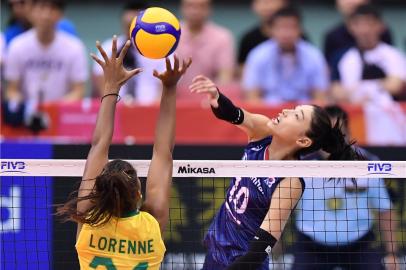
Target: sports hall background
{"x": 98, "y": 20}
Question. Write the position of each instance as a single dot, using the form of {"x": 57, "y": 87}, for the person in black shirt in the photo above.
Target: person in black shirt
{"x": 260, "y": 33}
{"x": 339, "y": 39}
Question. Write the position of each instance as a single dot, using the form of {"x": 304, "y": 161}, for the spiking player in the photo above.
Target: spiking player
{"x": 254, "y": 214}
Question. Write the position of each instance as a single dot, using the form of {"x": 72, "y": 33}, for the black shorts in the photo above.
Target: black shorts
{"x": 310, "y": 255}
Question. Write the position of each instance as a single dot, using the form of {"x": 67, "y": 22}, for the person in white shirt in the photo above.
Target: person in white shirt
{"x": 143, "y": 89}
{"x": 2, "y": 54}
{"x": 2, "y": 48}
{"x": 372, "y": 71}
{"x": 44, "y": 64}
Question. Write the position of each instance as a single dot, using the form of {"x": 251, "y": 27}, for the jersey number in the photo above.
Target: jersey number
{"x": 236, "y": 193}
{"x": 108, "y": 263}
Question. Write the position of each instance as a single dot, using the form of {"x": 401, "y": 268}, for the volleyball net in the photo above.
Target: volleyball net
{"x": 338, "y": 222}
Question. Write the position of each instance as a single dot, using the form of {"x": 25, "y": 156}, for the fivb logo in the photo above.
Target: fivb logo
{"x": 378, "y": 168}
{"x": 159, "y": 28}
{"x": 13, "y": 166}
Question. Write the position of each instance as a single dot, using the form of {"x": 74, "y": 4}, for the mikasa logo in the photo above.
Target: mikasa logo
{"x": 160, "y": 28}
{"x": 188, "y": 169}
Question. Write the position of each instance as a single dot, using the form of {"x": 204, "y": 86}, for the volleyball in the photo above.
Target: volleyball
{"x": 155, "y": 32}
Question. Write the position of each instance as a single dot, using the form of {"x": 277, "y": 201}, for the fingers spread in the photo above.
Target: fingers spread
{"x": 196, "y": 86}
{"x": 155, "y": 73}
{"x": 98, "y": 61}
{"x": 199, "y": 78}
{"x": 114, "y": 47}
{"x": 168, "y": 64}
{"x": 124, "y": 51}
{"x": 176, "y": 63}
{"x": 135, "y": 72}
{"x": 186, "y": 65}
{"x": 102, "y": 52}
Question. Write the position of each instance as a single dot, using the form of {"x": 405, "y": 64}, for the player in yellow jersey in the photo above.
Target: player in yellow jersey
{"x": 114, "y": 230}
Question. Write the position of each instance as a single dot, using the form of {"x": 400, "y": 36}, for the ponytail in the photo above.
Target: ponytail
{"x": 113, "y": 195}
{"x": 329, "y": 138}
{"x": 336, "y": 144}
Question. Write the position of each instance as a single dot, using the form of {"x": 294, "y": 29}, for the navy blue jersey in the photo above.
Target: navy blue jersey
{"x": 240, "y": 216}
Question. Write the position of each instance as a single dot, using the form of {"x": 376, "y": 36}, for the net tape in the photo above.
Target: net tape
{"x": 219, "y": 168}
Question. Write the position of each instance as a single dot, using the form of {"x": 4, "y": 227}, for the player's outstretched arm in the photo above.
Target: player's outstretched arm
{"x": 115, "y": 76}
{"x": 284, "y": 200}
{"x": 160, "y": 171}
{"x": 254, "y": 125}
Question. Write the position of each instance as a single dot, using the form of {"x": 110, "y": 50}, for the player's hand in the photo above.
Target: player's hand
{"x": 391, "y": 262}
{"x": 171, "y": 76}
{"x": 203, "y": 85}
{"x": 115, "y": 75}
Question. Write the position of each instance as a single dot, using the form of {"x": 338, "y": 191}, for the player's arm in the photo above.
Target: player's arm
{"x": 160, "y": 171}
{"x": 254, "y": 125}
{"x": 388, "y": 225}
{"x": 13, "y": 92}
{"x": 284, "y": 200}
{"x": 97, "y": 158}
{"x": 393, "y": 85}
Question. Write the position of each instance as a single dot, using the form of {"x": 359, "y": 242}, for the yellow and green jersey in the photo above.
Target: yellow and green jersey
{"x": 132, "y": 242}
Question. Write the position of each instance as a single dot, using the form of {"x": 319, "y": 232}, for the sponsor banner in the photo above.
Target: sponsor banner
{"x": 74, "y": 122}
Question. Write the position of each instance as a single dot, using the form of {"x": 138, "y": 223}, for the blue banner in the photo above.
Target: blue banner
{"x": 26, "y": 211}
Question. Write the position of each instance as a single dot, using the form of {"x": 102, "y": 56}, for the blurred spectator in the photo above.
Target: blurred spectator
{"x": 44, "y": 64}
{"x": 2, "y": 48}
{"x": 2, "y": 54}
{"x": 264, "y": 9}
{"x": 144, "y": 88}
{"x": 285, "y": 68}
{"x": 20, "y": 20}
{"x": 339, "y": 39}
{"x": 372, "y": 71}
{"x": 335, "y": 220}
{"x": 210, "y": 46}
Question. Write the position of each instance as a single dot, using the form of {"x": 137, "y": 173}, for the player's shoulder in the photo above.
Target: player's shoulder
{"x": 150, "y": 218}
{"x": 310, "y": 49}
{"x": 219, "y": 31}
{"x": 69, "y": 41}
{"x": 351, "y": 54}
{"x": 388, "y": 50}
{"x": 264, "y": 51}
{"x": 23, "y": 40}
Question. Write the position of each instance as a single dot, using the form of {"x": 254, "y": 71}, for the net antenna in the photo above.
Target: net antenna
{"x": 219, "y": 168}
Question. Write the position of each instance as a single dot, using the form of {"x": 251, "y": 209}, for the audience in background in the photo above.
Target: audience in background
{"x": 371, "y": 71}
{"x": 285, "y": 68}
{"x": 210, "y": 45}
{"x": 44, "y": 64}
{"x": 20, "y": 20}
{"x": 144, "y": 88}
{"x": 2, "y": 55}
{"x": 339, "y": 39}
{"x": 264, "y": 9}
{"x": 2, "y": 49}
{"x": 334, "y": 224}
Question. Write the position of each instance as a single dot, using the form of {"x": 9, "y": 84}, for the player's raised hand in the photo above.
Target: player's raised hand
{"x": 203, "y": 85}
{"x": 171, "y": 76}
{"x": 115, "y": 75}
